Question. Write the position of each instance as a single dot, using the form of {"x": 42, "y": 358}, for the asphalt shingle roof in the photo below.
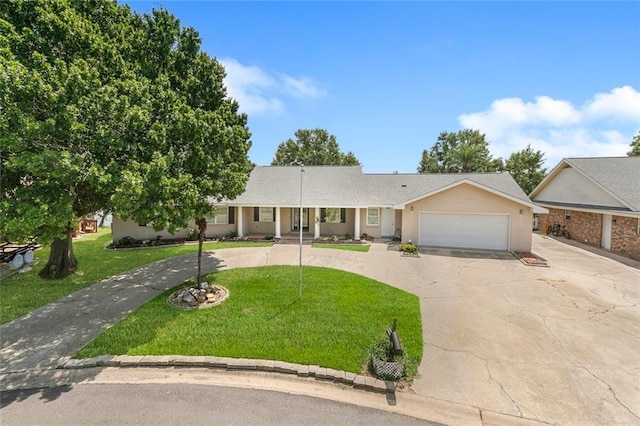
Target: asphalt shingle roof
{"x": 618, "y": 175}
{"x": 347, "y": 186}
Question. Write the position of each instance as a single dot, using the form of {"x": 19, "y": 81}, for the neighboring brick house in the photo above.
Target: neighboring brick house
{"x": 598, "y": 199}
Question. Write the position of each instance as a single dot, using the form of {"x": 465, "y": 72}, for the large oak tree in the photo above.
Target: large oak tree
{"x": 103, "y": 108}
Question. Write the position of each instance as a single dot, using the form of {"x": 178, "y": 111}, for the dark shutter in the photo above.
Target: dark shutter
{"x": 343, "y": 215}
{"x": 274, "y": 215}
{"x": 323, "y": 215}
{"x": 231, "y": 216}
{"x": 256, "y": 214}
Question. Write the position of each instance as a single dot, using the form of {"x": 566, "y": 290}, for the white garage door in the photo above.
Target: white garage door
{"x": 484, "y": 231}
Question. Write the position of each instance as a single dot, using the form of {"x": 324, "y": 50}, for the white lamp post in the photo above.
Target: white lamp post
{"x": 300, "y": 228}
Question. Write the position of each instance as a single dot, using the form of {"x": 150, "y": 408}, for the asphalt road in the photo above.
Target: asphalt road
{"x": 122, "y": 404}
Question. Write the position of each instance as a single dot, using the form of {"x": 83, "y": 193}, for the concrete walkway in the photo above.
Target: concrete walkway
{"x": 556, "y": 345}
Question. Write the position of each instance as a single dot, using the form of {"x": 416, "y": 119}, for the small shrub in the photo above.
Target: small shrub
{"x": 268, "y": 237}
{"x": 232, "y": 235}
{"x": 409, "y": 248}
{"x": 125, "y": 242}
{"x": 348, "y": 236}
{"x": 194, "y": 234}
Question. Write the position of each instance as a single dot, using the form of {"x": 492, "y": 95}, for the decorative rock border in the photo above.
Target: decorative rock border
{"x": 356, "y": 381}
{"x": 204, "y": 305}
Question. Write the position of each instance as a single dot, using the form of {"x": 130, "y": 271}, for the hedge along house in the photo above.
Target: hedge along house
{"x": 477, "y": 210}
{"x": 598, "y": 199}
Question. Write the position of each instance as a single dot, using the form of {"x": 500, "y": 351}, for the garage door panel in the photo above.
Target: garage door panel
{"x": 464, "y": 230}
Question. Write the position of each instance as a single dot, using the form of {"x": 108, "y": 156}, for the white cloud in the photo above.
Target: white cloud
{"x": 301, "y": 87}
{"x": 258, "y": 91}
{"x": 623, "y": 103}
{"x": 604, "y": 126}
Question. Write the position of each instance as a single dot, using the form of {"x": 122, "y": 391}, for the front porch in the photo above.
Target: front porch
{"x": 317, "y": 222}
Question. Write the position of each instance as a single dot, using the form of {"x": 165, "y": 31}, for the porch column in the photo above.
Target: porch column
{"x": 356, "y": 228}
{"x": 316, "y": 223}
{"x": 278, "y": 223}
{"x": 240, "y": 221}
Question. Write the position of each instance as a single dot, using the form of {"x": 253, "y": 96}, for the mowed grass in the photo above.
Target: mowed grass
{"x": 334, "y": 325}
{"x": 24, "y": 292}
{"x": 348, "y": 247}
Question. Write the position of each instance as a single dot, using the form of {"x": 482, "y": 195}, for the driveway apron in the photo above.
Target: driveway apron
{"x": 558, "y": 344}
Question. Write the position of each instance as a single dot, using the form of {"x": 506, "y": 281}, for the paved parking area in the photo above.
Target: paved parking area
{"x": 558, "y": 344}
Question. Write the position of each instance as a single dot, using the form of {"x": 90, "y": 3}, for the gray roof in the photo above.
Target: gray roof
{"x": 620, "y": 176}
{"x": 347, "y": 186}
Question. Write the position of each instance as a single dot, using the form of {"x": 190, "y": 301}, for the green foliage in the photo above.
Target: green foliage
{"x": 334, "y": 325}
{"x": 313, "y": 148}
{"x": 409, "y": 248}
{"x": 103, "y": 108}
{"x": 525, "y": 166}
{"x": 463, "y": 152}
{"x": 126, "y": 242}
{"x": 194, "y": 233}
{"x": 348, "y": 236}
{"x": 635, "y": 146}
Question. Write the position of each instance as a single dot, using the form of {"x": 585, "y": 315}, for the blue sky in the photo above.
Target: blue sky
{"x": 387, "y": 77}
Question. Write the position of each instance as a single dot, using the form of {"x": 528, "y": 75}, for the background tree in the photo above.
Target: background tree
{"x": 463, "y": 152}
{"x": 108, "y": 109}
{"x": 635, "y": 146}
{"x": 313, "y": 148}
{"x": 526, "y": 168}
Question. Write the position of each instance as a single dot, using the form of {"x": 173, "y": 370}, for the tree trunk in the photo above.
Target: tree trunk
{"x": 202, "y": 227}
{"x": 61, "y": 262}
{"x": 104, "y": 216}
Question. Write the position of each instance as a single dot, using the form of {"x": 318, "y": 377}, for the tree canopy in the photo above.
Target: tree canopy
{"x": 313, "y": 147}
{"x": 526, "y": 168}
{"x": 463, "y": 152}
{"x": 103, "y": 108}
{"x": 635, "y": 146}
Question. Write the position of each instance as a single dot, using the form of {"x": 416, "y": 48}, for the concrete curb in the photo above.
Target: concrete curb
{"x": 356, "y": 381}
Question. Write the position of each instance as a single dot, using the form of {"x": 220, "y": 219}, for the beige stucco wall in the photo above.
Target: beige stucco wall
{"x": 374, "y": 231}
{"x": 338, "y": 229}
{"x": 466, "y": 198}
{"x": 128, "y": 228}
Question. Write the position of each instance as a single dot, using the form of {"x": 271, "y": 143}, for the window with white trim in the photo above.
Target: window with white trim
{"x": 332, "y": 215}
{"x": 221, "y": 217}
{"x": 567, "y": 215}
{"x": 373, "y": 216}
{"x": 639, "y": 226}
{"x": 266, "y": 214}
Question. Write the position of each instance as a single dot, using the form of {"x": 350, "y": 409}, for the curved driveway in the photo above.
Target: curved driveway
{"x": 558, "y": 344}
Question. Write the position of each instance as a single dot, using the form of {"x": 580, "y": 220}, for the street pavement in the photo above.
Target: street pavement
{"x": 503, "y": 342}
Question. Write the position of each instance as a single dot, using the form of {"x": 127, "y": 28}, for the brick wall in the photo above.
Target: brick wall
{"x": 624, "y": 237}
{"x": 587, "y": 228}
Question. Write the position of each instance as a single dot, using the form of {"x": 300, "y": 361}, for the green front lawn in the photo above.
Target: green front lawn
{"x": 349, "y": 247}
{"x": 22, "y": 293}
{"x": 340, "y": 316}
